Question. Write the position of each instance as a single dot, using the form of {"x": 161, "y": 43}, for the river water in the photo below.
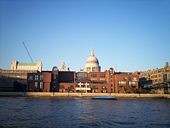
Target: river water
{"x": 27, "y": 112}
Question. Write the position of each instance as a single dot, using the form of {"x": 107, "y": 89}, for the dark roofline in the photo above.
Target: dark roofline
{"x": 67, "y": 71}
{"x": 46, "y": 71}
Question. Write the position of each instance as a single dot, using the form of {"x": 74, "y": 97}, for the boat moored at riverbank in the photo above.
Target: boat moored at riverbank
{"x": 104, "y": 98}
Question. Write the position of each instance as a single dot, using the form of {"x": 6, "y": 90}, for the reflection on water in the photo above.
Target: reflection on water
{"x": 25, "y": 112}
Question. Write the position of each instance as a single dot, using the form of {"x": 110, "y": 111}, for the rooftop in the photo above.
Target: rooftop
{"x": 26, "y": 64}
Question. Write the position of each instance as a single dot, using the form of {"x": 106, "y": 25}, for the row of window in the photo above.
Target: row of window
{"x": 27, "y": 67}
{"x": 155, "y": 76}
{"x": 83, "y": 86}
{"x": 95, "y": 79}
{"x": 95, "y": 75}
{"x": 125, "y": 82}
{"x": 93, "y": 69}
{"x": 168, "y": 76}
{"x": 152, "y": 72}
{"x": 36, "y": 77}
{"x": 38, "y": 85}
{"x": 158, "y": 80}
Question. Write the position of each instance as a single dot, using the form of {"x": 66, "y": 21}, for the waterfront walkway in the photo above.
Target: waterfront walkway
{"x": 56, "y": 94}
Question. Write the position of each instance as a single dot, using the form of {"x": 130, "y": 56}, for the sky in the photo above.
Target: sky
{"x": 129, "y": 35}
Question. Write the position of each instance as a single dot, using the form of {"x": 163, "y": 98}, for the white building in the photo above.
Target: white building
{"x": 15, "y": 65}
{"x": 83, "y": 87}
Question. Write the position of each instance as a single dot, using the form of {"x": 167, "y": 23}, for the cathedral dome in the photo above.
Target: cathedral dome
{"x": 92, "y": 59}
{"x": 92, "y": 64}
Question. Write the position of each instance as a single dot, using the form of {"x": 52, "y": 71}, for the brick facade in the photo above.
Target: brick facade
{"x": 93, "y": 82}
{"x": 39, "y": 82}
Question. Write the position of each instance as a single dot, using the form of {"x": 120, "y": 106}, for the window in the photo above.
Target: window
{"x": 36, "y": 77}
{"x": 41, "y": 77}
{"x": 93, "y": 78}
{"x": 54, "y": 76}
{"x": 122, "y": 82}
{"x": 168, "y": 76}
{"x": 93, "y": 69}
{"x": 36, "y": 85}
{"x": 103, "y": 79}
{"x": 102, "y": 75}
{"x": 79, "y": 84}
{"x": 41, "y": 85}
{"x": 132, "y": 82}
{"x": 93, "y": 75}
{"x": 160, "y": 75}
{"x": 88, "y": 69}
{"x": 30, "y": 78}
{"x": 135, "y": 79}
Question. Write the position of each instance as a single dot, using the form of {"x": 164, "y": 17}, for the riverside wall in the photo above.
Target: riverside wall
{"x": 118, "y": 95}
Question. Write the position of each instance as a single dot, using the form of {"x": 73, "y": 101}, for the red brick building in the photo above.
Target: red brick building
{"x": 125, "y": 83}
{"x": 67, "y": 81}
{"x": 39, "y": 82}
{"x": 109, "y": 82}
{"x": 92, "y": 82}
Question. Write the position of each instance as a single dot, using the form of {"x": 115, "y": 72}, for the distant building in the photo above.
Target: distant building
{"x": 83, "y": 83}
{"x": 52, "y": 81}
{"x": 14, "y": 80}
{"x": 15, "y": 65}
{"x": 45, "y": 81}
{"x": 156, "y": 79}
{"x": 39, "y": 82}
{"x": 63, "y": 67}
{"x": 114, "y": 82}
{"x": 67, "y": 81}
{"x": 92, "y": 64}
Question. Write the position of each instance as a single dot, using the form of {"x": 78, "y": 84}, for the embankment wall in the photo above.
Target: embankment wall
{"x": 118, "y": 95}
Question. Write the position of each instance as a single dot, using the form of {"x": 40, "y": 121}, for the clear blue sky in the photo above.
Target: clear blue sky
{"x": 130, "y": 35}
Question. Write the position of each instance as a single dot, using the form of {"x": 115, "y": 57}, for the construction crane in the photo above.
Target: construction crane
{"x": 28, "y": 52}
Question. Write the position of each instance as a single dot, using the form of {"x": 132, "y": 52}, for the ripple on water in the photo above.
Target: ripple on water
{"x": 88, "y": 125}
{"x": 133, "y": 118}
{"x": 159, "y": 125}
{"x": 124, "y": 123}
{"x": 81, "y": 113}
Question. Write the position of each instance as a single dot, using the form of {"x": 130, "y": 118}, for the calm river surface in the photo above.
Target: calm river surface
{"x": 26, "y": 112}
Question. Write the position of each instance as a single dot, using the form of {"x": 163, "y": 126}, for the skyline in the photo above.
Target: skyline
{"x": 130, "y": 35}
